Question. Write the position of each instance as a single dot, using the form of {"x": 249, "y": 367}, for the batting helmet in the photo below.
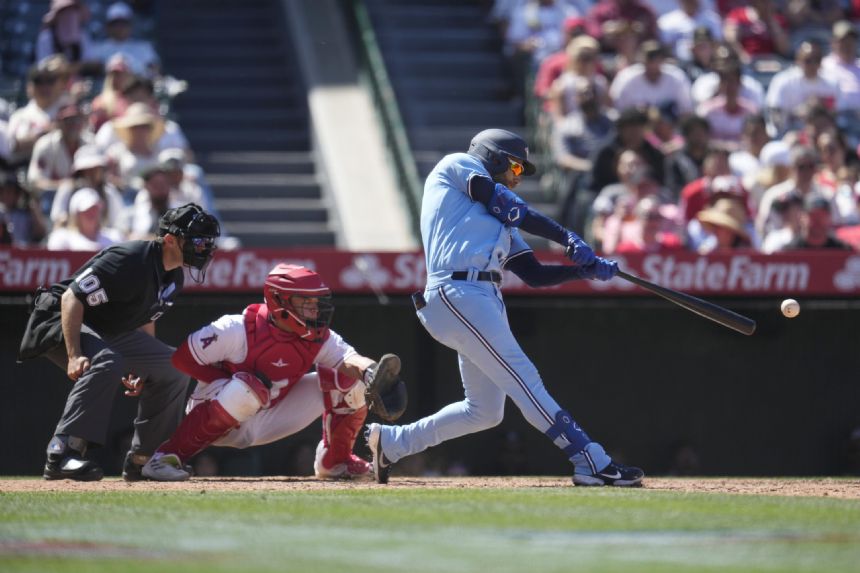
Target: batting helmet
{"x": 494, "y": 147}
{"x": 310, "y": 320}
{"x": 198, "y": 229}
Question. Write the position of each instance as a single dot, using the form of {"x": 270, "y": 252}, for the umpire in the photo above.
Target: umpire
{"x": 105, "y": 314}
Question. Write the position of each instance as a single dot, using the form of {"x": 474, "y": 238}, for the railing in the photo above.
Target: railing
{"x": 385, "y": 100}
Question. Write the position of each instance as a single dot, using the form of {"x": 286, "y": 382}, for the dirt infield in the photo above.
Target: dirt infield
{"x": 816, "y": 487}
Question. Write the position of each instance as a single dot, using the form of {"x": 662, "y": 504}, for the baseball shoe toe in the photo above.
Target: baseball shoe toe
{"x": 353, "y": 468}
{"x": 164, "y": 467}
{"x": 614, "y": 474}
{"x": 380, "y": 464}
{"x": 72, "y": 467}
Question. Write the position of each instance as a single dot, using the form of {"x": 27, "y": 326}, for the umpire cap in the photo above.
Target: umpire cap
{"x": 495, "y": 146}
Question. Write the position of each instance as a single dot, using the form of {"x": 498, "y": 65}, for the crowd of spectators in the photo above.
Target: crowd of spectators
{"x": 90, "y": 158}
{"x": 703, "y": 125}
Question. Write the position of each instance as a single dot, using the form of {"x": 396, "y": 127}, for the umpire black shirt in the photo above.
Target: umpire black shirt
{"x": 124, "y": 287}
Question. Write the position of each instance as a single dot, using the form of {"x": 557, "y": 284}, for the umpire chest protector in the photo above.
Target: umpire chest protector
{"x": 277, "y": 355}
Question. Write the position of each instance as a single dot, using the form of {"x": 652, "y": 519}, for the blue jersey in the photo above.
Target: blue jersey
{"x": 458, "y": 233}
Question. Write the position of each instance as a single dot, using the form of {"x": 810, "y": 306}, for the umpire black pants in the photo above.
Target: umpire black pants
{"x": 89, "y": 404}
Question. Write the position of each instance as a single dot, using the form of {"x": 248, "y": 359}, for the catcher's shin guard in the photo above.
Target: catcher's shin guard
{"x": 334, "y": 457}
{"x": 205, "y": 423}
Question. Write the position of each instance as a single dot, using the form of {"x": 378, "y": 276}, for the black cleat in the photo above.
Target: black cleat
{"x": 613, "y": 474}
{"x": 72, "y": 467}
{"x": 381, "y": 466}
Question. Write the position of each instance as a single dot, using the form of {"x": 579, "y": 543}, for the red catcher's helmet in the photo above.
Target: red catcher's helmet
{"x": 309, "y": 321}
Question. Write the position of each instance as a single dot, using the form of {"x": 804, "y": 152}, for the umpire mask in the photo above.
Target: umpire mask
{"x": 198, "y": 231}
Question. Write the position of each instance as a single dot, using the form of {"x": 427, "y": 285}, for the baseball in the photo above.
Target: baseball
{"x": 790, "y": 308}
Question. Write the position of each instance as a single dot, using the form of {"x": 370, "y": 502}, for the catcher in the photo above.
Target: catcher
{"x": 254, "y": 386}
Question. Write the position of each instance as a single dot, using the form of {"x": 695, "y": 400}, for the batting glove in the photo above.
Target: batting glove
{"x": 578, "y": 250}
{"x": 601, "y": 269}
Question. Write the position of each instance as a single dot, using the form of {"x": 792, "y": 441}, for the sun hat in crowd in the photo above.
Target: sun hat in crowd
{"x": 138, "y": 114}
{"x": 726, "y": 212}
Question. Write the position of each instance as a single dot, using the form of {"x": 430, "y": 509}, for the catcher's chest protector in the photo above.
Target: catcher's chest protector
{"x": 276, "y": 354}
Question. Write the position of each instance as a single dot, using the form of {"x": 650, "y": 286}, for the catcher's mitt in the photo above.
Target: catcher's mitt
{"x": 386, "y": 392}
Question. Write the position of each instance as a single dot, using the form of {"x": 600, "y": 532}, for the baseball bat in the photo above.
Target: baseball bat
{"x": 709, "y": 310}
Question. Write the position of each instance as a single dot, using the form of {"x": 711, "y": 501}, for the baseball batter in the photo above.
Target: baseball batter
{"x": 254, "y": 386}
{"x": 470, "y": 221}
{"x": 99, "y": 326}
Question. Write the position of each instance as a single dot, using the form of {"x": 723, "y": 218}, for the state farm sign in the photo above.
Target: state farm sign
{"x": 741, "y": 273}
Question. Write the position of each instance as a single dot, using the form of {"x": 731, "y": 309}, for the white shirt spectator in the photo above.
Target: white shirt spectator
{"x": 846, "y": 76}
{"x": 707, "y": 85}
{"x": 140, "y": 53}
{"x": 173, "y": 136}
{"x": 130, "y": 166}
{"x": 662, "y": 7}
{"x": 115, "y": 205}
{"x": 631, "y": 88}
{"x": 677, "y": 27}
{"x": 790, "y": 90}
{"x": 63, "y": 239}
{"x": 768, "y": 220}
{"x": 542, "y": 24}
{"x": 84, "y": 231}
{"x": 726, "y": 126}
{"x": 29, "y": 121}
{"x": 45, "y": 45}
{"x": 51, "y": 158}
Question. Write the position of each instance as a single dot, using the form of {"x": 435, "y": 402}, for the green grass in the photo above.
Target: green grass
{"x": 413, "y": 530}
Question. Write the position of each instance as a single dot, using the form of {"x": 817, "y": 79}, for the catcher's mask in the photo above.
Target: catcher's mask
{"x": 198, "y": 231}
{"x": 498, "y": 149}
{"x": 298, "y": 301}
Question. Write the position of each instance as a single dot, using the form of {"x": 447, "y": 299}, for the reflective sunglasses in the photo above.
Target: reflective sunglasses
{"x": 516, "y": 168}
{"x": 202, "y": 244}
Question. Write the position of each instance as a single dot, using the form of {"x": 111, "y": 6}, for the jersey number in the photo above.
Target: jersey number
{"x": 89, "y": 283}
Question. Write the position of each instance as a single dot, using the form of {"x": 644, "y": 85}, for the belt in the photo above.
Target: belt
{"x": 489, "y": 276}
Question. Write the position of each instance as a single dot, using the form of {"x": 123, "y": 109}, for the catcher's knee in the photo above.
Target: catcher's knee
{"x": 341, "y": 389}
{"x": 243, "y": 396}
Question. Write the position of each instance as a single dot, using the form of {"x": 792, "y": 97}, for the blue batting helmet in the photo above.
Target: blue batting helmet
{"x": 495, "y": 146}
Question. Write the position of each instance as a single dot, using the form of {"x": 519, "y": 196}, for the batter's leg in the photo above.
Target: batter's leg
{"x": 477, "y": 327}
{"x": 482, "y": 408}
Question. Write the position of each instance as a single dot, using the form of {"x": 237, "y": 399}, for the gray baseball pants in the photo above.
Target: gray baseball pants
{"x": 88, "y": 407}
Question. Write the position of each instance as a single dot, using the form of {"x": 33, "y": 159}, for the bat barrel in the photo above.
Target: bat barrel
{"x": 709, "y": 310}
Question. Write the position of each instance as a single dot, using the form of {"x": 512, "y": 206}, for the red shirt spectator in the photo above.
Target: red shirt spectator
{"x": 756, "y": 30}
{"x": 704, "y": 191}
{"x": 634, "y": 12}
{"x": 553, "y": 65}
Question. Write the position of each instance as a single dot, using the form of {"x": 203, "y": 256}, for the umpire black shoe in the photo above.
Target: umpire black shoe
{"x": 74, "y": 467}
{"x": 380, "y": 464}
{"x": 67, "y": 460}
{"x": 613, "y": 474}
